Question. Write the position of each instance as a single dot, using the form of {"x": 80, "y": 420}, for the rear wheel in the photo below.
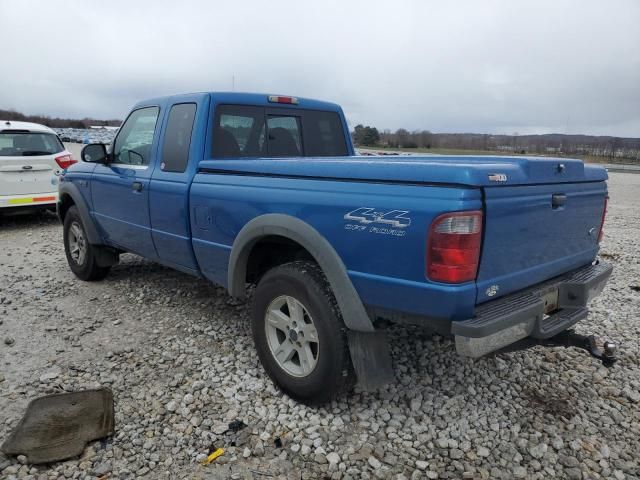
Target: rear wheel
{"x": 81, "y": 255}
{"x": 299, "y": 333}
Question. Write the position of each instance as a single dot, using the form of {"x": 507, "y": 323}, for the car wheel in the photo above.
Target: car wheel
{"x": 81, "y": 255}
{"x": 299, "y": 333}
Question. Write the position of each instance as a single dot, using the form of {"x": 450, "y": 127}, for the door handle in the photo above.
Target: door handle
{"x": 558, "y": 200}
{"x": 137, "y": 186}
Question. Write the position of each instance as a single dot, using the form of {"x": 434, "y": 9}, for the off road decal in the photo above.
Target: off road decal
{"x": 382, "y": 222}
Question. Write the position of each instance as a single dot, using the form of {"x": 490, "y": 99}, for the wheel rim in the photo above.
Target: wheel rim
{"x": 77, "y": 243}
{"x": 292, "y": 336}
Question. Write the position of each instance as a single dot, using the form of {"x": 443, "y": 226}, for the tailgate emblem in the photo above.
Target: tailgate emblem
{"x": 497, "y": 177}
{"x": 27, "y": 167}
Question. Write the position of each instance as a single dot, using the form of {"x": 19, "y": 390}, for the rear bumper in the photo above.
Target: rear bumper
{"x": 31, "y": 200}
{"x": 502, "y": 322}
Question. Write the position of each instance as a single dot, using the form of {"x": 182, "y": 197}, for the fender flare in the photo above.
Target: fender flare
{"x": 72, "y": 190}
{"x": 353, "y": 311}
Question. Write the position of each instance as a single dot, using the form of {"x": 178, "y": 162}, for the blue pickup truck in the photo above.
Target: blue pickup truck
{"x": 265, "y": 195}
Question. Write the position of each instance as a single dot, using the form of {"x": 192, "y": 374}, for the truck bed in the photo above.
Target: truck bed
{"x": 525, "y": 241}
{"x": 452, "y": 170}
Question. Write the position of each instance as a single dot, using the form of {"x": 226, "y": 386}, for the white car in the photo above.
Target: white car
{"x": 31, "y": 159}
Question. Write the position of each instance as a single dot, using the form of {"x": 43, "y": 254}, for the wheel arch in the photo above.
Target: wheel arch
{"x": 353, "y": 311}
{"x": 68, "y": 196}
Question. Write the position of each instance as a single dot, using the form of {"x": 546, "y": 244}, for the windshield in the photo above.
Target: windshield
{"x": 26, "y": 144}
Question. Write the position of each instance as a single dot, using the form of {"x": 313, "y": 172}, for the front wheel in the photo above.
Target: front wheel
{"x": 81, "y": 255}
{"x": 299, "y": 333}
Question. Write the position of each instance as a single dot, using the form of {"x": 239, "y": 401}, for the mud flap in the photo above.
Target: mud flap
{"x": 106, "y": 256}
{"x": 371, "y": 359}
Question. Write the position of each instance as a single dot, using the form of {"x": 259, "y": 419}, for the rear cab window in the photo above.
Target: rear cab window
{"x": 284, "y": 137}
{"x": 242, "y": 131}
{"x": 324, "y": 135}
{"x": 23, "y": 143}
{"x": 239, "y": 131}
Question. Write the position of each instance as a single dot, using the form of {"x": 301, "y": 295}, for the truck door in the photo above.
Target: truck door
{"x": 169, "y": 192}
{"x": 120, "y": 189}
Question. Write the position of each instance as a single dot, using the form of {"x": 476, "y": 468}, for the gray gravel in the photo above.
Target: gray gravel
{"x": 178, "y": 354}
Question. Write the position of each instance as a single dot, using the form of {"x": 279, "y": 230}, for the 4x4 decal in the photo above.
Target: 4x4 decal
{"x": 392, "y": 218}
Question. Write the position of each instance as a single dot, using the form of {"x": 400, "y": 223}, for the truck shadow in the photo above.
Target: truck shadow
{"x": 424, "y": 362}
{"x": 25, "y": 220}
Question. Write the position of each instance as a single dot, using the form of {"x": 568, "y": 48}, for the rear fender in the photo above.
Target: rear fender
{"x": 353, "y": 311}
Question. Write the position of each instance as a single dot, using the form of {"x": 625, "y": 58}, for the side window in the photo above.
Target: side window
{"x": 283, "y": 136}
{"x": 238, "y": 131}
{"x": 324, "y": 134}
{"x": 135, "y": 138}
{"x": 177, "y": 138}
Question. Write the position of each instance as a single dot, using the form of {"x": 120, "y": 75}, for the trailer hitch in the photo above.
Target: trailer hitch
{"x": 569, "y": 338}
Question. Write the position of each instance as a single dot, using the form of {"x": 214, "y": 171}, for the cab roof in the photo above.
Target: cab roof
{"x": 8, "y": 125}
{"x": 243, "y": 98}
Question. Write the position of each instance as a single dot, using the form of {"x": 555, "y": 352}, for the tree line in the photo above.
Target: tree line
{"x": 547, "y": 144}
{"x": 56, "y": 122}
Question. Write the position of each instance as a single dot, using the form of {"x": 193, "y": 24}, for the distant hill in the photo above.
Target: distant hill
{"x": 614, "y": 148}
{"x": 56, "y": 122}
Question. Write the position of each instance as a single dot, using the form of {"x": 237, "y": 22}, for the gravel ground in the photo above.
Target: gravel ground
{"x": 178, "y": 354}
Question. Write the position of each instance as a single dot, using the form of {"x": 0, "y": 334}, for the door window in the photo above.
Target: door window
{"x": 177, "y": 138}
{"x": 133, "y": 143}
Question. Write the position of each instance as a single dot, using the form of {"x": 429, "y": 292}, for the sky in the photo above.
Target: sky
{"x": 490, "y": 66}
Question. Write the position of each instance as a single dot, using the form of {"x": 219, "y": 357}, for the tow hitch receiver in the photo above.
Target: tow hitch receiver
{"x": 569, "y": 338}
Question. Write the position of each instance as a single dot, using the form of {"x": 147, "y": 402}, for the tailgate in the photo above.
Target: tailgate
{"x": 26, "y": 175}
{"x": 535, "y": 232}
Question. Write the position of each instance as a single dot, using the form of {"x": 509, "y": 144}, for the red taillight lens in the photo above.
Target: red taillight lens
{"x": 65, "y": 161}
{"x": 604, "y": 215}
{"x": 453, "y": 248}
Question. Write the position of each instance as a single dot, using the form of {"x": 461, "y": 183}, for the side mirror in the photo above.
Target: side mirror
{"x": 94, "y": 153}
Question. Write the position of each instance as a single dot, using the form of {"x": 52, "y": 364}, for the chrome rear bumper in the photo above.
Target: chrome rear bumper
{"x": 502, "y": 322}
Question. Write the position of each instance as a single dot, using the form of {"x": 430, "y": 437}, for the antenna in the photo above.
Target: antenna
{"x": 233, "y": 83}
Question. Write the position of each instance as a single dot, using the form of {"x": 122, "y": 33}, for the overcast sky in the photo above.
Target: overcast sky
{"x": 446, "y": 66}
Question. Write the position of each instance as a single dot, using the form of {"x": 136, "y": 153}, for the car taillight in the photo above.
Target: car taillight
{"x": 453, "y": 248}
{"x": 65, "y": 161}
{"x": 604, "y": 215}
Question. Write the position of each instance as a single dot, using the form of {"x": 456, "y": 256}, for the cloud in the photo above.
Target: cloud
{"x": 492, "y": 66}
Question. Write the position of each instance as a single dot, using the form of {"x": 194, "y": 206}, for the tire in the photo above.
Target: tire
{"x": 81, "y": 255}
{"x": 320, "y": 367}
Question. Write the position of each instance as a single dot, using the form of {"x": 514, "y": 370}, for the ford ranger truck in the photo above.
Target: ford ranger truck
{"x": 266, "y": 190}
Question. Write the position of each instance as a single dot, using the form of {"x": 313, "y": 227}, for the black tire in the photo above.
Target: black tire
{"x": 333, "y": 373}
{"x": 85, "y": 268}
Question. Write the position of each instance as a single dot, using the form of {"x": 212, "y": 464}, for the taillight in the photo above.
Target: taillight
{"x": 604, "y": 215}
{"x": 65, "y": 161}
{"x": 453, "y": 248}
